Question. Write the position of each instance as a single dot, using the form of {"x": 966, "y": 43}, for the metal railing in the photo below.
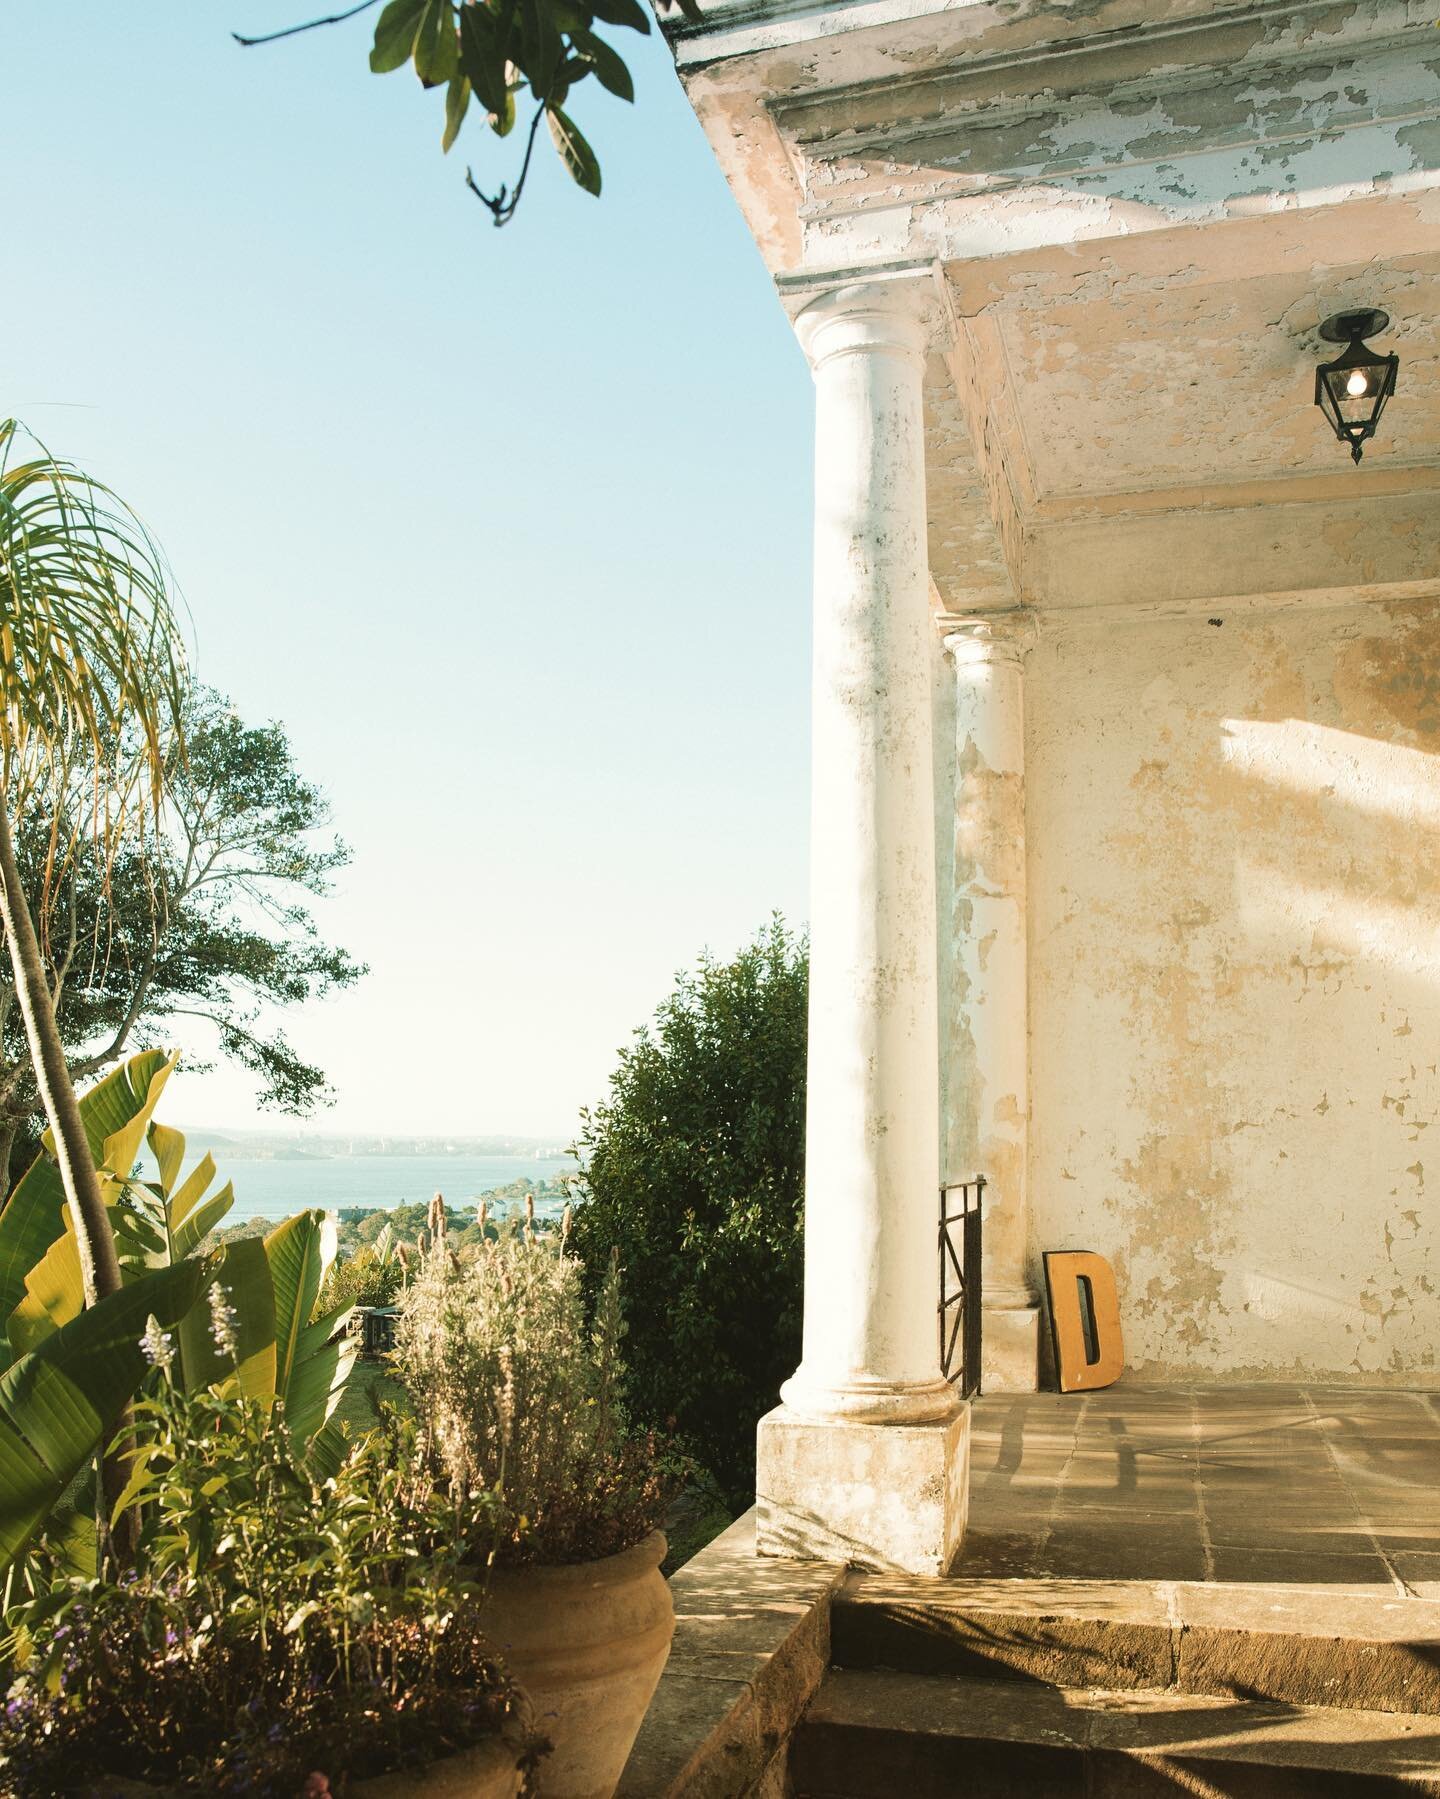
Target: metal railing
{"x": 961, "y": 1284}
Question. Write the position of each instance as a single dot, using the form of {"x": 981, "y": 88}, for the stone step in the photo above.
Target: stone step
{"x": 871, "y": 1734}
{"x": 1289, "y": 1644}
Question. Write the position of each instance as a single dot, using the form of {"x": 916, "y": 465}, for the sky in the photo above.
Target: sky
{"x": 510, "y": 529}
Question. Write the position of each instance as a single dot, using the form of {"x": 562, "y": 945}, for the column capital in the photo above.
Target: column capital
{"x": 1003, "y": 638}
{"x": 867, "y": 317}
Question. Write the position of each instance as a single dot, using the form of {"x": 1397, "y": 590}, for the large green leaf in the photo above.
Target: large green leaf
{"x": 608, "y": 64}
{"x": 33, "y": 1217}
{"x": 313, "y": 1356}
{"x": 117, "y": 1113}
{"x": 622, "y": 12}
{"x": 482, "y": 57}
{"x": 575, "y": 152}
{"x": 168, "y": 1148}
{"x": 243, "y": 1272}
{"x": 395, "y": 35}
{"x": 297, "y": 1250}
{"x": 324, "y": 1359}
{"x": 437, "y": 47}
{"x": 54, "y": 1292}
{"x": 122, "y": 1109}
{"x": 457, "y": 104}
{"x": 59, "y": 1403}
{"x": 189, "y": 1216}
{"x": 193, "y": 1229}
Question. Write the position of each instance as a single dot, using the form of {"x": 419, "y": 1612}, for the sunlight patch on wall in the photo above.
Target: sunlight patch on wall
{"x": 1381, "y": 778}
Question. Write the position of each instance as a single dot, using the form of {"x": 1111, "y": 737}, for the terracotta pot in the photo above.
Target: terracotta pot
{"x": 487, "y": 1771}
{"x": 587, "y": 1644}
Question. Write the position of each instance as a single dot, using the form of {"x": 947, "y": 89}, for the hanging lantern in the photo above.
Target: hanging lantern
{"x": 1352, "y": 390}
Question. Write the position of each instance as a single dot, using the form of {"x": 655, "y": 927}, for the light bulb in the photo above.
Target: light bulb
{"x": 1358, "y": 384}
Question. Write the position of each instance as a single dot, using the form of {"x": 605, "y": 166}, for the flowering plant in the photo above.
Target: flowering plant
{"x": 280, "y": 1626}
{"x": 519, "y": 1403}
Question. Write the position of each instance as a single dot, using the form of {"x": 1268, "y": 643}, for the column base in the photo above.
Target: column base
{"x": 1010, "y": 1349}
{"x": 885, "y": 1496}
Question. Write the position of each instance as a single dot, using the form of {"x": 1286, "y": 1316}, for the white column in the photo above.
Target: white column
{"x": 865, "y": 1461}
{"x": 990, "y": 1070}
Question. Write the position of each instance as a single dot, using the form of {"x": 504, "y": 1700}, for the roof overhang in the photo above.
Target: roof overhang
{"x": 1136, "y": 215}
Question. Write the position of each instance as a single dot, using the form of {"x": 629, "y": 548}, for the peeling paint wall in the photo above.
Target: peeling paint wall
{"x": 1234, "y": 873}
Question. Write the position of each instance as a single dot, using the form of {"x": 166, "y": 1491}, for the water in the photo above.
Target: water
{"x": 273, "y": 1189}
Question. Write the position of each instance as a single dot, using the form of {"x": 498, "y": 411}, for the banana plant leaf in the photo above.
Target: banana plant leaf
{"x": 324, "y": 1360}
{"x": 125, "y": 1103}
{"x": 242, "y": 1270}
{"x": 157, "y": 1224}
{"x": 54, "y": 1292}
{"x": 59, "y": 1403}
{"x": 33, "y": 1217}
{"x": 313, "y": 1356}
{"x": 189, "y": 1216}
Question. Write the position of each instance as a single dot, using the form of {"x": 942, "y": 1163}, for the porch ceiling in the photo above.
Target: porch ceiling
{"x": 1135, "y": 214}
{"x": 1140, "y": 420}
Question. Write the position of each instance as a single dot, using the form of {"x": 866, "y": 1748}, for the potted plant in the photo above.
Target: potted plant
{"x": 519, "y": 1409}
{"x": 292, "y": 1620}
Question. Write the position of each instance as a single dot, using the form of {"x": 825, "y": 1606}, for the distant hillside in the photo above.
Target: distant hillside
{"x": 241, "y": 1144}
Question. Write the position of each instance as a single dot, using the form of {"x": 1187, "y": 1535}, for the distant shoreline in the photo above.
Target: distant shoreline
{"x": 273, "y": 1186}
{"x": 320, "y": 1146}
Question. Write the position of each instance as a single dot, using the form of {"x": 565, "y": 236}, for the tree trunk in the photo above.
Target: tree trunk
{"x": 99, "y": 1264}
{"x": 9, "y": 1129}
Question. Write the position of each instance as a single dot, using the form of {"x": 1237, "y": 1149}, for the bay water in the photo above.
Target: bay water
{"x": 274, "y": 1187}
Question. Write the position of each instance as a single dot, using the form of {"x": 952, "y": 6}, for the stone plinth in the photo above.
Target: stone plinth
{"x": 883, "y": 1496}
{"x": 1010, "y": 1350}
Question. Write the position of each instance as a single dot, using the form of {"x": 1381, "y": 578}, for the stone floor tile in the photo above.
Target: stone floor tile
{"x": 1420, "y": 1570}
{"x": 1278, "y": 1567}
{"x": 1266, "y": 1537}
{"x": 1370, "y": 1403}
{"x": 1400, "y": 1539}
{"x": 1276, "y": 1470}
{"x": 1085, "y": 1555}
{"x": 1147, "y": 1497}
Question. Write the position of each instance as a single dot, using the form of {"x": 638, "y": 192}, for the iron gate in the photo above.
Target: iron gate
{"x": 961, "y": 1283}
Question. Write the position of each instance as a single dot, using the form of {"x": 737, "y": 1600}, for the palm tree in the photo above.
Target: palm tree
{"x": 91, "y": 672}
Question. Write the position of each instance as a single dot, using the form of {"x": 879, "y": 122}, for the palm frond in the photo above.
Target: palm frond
{"x": 92, "y": 665}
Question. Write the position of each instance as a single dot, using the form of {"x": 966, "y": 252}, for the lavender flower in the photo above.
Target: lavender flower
{"x": 157, "y": 1346}
{"x": 224, "y": 1322}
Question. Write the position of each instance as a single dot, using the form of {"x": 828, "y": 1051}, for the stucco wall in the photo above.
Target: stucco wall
{"x": 1234, "y": 867}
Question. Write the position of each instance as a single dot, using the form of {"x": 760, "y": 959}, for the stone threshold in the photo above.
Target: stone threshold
{"x": 1297, "y": 1644}
{"x": 878, "y": 1732}
{"x": 752, "y": 1644}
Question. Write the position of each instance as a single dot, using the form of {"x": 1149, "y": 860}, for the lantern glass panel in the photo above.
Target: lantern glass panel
{"x": 1354, "y": 389}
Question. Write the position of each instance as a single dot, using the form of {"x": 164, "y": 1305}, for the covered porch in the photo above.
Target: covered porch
{"x": 1126, "y": 697}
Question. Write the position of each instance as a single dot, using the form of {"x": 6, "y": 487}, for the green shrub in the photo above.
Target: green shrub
{"x": 372, "y": 1276}
{"x": 693, "y": 1173}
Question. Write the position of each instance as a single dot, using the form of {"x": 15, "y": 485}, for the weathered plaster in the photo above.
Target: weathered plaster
{"x": 1235, "y": 982}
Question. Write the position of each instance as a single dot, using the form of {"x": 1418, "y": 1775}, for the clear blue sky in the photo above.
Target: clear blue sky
{"x": 510, "y": 528}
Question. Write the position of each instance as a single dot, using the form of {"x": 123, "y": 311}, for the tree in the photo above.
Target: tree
{"x": 203, "y": 919}
{"x": 90, "y": 661}
{"x": 693, "y": 1170}
{"x": 506, "y": 55}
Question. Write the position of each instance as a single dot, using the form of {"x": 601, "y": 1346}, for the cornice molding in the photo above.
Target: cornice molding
{"x": 1037, "y": 621}
{"x": 1050, "y": 90}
